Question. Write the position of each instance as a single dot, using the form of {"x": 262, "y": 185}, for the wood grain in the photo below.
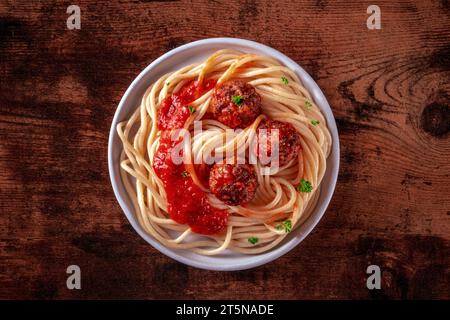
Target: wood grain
{"x": 389, "y": 90}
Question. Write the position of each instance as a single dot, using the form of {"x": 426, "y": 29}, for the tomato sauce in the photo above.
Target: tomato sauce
{"x": 187, "y": 203}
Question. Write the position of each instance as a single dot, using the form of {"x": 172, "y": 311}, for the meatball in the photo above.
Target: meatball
{"x": 285, "y": 138}
{"x": 234, "y": 184}
{"x": 235, "y": 104}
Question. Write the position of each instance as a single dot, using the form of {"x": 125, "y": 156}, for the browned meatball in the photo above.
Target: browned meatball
{"x": 234, "y": 184}
{"x": 235, "y": 104}
{"x": 288, "y": 142}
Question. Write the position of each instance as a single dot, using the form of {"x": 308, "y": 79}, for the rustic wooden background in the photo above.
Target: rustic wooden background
{"x": 389, "y": 90}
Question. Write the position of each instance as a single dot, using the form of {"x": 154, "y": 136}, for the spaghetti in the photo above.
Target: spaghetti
{"x": 285, "y": 196}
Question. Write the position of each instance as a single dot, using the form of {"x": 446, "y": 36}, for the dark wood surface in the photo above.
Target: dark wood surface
{"x": 389, "y": 90}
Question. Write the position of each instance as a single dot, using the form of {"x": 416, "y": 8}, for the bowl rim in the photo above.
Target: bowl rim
{"x": 281, "y": 248}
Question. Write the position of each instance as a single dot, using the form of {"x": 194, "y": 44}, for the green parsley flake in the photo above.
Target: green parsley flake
{"x": 284, "y": 80}
{"x": 192, "y": 109}
{"x": 308, "y": 104}
{"x": 168, "y": 83}
{"x": 315, "y": 122}
{"x": 253, "y": 240}
{"x": 304, "y": 186}
{"x": 185, "y": 174}
{"x": 285, "y": 225}
{"x": 238, "y": 100}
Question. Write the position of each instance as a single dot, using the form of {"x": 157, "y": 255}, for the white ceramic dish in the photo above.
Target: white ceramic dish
{"x": 195, "y": 52}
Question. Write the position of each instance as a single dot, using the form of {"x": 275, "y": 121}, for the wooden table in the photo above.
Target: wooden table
{"x": 389, "y": 90}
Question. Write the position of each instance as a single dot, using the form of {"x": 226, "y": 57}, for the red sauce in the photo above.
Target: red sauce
{"x": 174, "y": 111}
{"x": 187, "y": 203}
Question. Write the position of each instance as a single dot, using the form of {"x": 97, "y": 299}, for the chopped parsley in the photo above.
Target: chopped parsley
{"x": 284, "y": 80}
{"x": 192, "y": 109}
{"x": 308, "y": 104}
{"x": 238, "y": 100}
{"x": 315, "y": 122}
{"x": 285, "y": 225}
{"x": 168, "y": 83}
{"x": 185, "y": 174}
{"x": 253, "y": 240}
{"x": 304, "y": 186}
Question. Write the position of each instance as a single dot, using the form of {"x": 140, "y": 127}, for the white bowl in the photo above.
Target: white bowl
{"x": 196, "y": 52}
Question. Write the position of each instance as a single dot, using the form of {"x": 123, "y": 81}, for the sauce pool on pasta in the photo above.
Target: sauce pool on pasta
{"x": 187, "y": 203}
